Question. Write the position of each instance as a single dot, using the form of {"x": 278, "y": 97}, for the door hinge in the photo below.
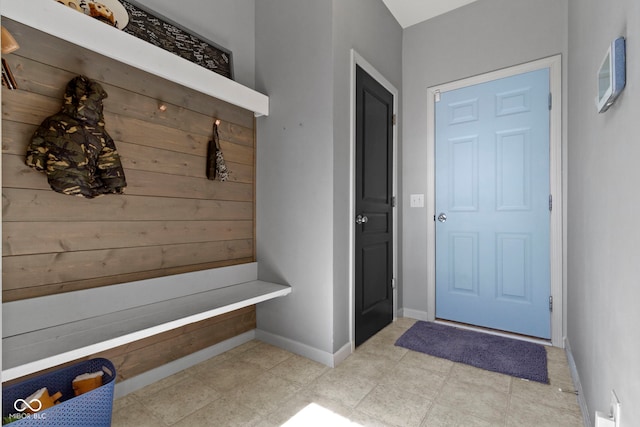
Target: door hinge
{"x": 437, "y": 95}
{"x": 550, "y": 101}
{"x": 393, "y": 283}
{"x": 550, "y": 202}
{"x": 551, "y": 304}
{"x": 394, "y": 119}
{"x": 393, "y": 201}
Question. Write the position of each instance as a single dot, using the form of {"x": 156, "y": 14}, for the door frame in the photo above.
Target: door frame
{"x": 357, "y": 59}
{"x": 554, "y": 63}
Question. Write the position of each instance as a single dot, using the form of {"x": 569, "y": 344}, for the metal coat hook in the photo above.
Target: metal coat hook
{"x": 7, "y": 76}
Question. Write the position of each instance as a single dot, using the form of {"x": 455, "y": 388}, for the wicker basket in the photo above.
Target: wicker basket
{"x": 89, "y": 409}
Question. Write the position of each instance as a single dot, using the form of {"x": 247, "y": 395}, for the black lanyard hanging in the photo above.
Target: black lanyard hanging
{"x": 216, "y": 166}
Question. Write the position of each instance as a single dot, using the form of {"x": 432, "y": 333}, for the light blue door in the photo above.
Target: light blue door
{"x": 492, "y": 205}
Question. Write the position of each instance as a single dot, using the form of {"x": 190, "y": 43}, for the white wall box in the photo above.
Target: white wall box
{"x": 611, "y": 75}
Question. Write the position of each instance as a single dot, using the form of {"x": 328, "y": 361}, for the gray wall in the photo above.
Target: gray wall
{"x": 294, "y": 66}
{"x": 303, "y": 64}
{"x": 228, "y": 23}
{"x": 603, "y": 205}
{"x": 484, "y": 36}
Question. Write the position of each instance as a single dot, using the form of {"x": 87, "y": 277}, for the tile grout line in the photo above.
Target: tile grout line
{"x": 447, "y": 377}
{"x": 508, "y": 409}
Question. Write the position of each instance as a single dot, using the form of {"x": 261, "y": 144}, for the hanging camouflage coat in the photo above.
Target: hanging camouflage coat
{"x": 73, "y": 148}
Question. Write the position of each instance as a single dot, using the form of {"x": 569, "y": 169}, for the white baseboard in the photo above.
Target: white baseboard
{"x": 326, "y": 358}
{"x": 413, "y": 314}
{"x": 342, "y": 354}
{"x": 139, "y": 381}
{"x": 578, "y": 385}
{"x": 132, "y": 384}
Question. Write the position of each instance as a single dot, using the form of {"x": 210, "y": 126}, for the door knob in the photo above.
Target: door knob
{"x": 361, "y": 219}
{"x": 442, "y": 217}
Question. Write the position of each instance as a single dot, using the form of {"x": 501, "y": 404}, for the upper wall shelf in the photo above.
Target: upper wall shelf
{"x": 54, "y": 19}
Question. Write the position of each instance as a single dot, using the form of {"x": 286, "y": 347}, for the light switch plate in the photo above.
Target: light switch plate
{"x": 417, "y": 200}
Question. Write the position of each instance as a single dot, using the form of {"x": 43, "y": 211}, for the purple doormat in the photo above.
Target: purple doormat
{"x": 508, "y": 356}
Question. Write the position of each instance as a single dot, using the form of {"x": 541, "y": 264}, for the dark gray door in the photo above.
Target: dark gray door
{"x": 374, "y": 209}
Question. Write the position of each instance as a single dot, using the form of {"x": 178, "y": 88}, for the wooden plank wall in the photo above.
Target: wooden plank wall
{"x": 171, "y": 218}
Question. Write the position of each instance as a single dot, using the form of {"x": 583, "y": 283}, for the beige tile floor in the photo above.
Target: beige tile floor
{"x": 380, "y": 385}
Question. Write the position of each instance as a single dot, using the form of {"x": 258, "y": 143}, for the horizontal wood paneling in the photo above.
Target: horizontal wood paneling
{"x": 24, "y": 238}
{"x": 41, "y": 269}
{"x": 15, "y": 174}
{"x": 69, "y": 286}
{"x": 46, "y": 205}
{"x": 170, "y": 220}
{"x": 239, "y": 158}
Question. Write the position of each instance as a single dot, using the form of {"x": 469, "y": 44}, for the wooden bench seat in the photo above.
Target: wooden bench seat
{"x": 53, "y": 330}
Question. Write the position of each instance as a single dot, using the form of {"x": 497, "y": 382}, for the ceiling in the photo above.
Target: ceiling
{"x": 410, "y": 12}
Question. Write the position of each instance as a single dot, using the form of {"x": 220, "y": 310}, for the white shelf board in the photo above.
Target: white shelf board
{"x": 31, "y": 352}
{"x": 57, "y": 20}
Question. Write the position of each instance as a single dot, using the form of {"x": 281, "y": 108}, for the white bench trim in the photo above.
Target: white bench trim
{"x": 59, "y": 340}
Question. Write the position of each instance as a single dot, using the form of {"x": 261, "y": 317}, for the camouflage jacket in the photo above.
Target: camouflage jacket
{"x": 73, "y": 148}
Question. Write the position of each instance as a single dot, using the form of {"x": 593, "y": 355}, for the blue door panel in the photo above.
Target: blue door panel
{"x": 492, "y": 183}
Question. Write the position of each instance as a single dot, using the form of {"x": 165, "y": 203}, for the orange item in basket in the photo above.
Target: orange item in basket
{"x": 87, "y": 382}
{"x": 39, "y": 401}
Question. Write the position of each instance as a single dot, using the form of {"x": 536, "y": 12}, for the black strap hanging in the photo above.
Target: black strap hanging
{"x": 216, "y": 166}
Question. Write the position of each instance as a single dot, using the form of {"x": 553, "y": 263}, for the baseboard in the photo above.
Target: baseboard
{"x": 413, "y": 314}
{"x": 139, "y": 381}
{"x": 577, "y": 384}
{"x": 326, "y": 358}
{"x": 340, "y": 355}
